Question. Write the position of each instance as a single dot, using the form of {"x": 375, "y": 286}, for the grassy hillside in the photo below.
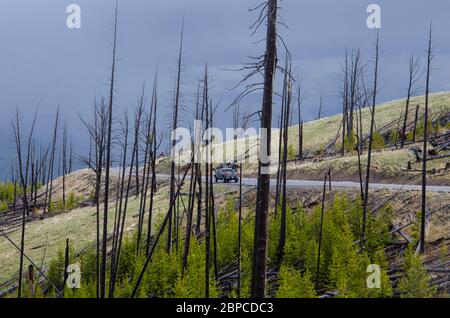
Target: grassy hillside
{"x": 45, "y": 237}
{"x": 319, "y": 133}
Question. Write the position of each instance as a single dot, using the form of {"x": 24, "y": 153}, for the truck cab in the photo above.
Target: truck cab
{"x": 226, "y": 174}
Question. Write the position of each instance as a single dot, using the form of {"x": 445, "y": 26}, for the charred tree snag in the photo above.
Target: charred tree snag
{"x": 280, "y": 138}
{"x": 49, "y": 186}
{"x": 239, "y": 233}
{"x": 153, "y": 164}
{"x": 369, "y": 154}
{"x": 23, "y": 174}
{"x": 320, "y": 107}
{"x": 187, "y": 241}
{"x": 120, "y": 193}
{"x": 282, "y": 239}
{"x": 207, "y": 194}
{"x": 414, "y": 76}
{"x": 259, "y": 264}
{"x": 328, "y": 175}
{"x": 108, "y": 162}
{"x": 174, "y": 126}
{"x": 158, "y": 236}
{"x": 344, "y": 104}
{"x": 424, "y": 151}
{"x": 300, "y": 123}
{"x": 416, "y": 118}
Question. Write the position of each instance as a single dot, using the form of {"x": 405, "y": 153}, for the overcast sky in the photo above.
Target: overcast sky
{"x": 43, "y": 62}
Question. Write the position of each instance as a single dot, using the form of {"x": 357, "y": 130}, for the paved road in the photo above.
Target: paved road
{"x": 304, "y": 184}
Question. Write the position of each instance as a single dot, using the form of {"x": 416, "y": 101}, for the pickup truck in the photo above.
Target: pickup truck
{"x": 226, "y": 174}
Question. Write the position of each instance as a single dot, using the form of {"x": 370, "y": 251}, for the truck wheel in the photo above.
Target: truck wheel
{"x": 236, "y": 180}
{"x": 216, "y": 180}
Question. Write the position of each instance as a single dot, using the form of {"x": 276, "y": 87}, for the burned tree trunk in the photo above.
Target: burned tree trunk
{"x": 369, "y": 154}
{"x": 108, "y": 163}
{"x": 120, "y": 194}
{"x": 259, "y": 266}
{"x": 414, "y": 68}
{"x": 207, "y": 194}
{"x": 321, "y": 225}
{"x": 23, "y": 174}
{"x": 49, "y": 187}
{"x": 320, "y": 107}
{"x": 174, "y": 126}
{"x": 424, "y": 151}
{"x": 282, "y": 239}
{"x": 64, "y": 165}
{"x": 153, "y": 165}
{"x": 187, "y": 241}
{"x": 345, "y": 104}
{"x": 280, "y": 138}
{"x": 300, "y": 123}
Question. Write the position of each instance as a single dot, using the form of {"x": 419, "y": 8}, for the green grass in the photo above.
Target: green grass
{"x": 319, "y": 133}
{"x": 79, "y": 226}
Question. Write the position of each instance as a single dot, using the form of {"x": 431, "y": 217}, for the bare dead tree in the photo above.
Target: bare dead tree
{"x": 49, "y": 187}
{"x": 413, "y": 78}
{"x": 121, "y": 224}
{"x": 282, "y": 239}
{"x": 118, "y": 233}
{"x": 198, "y": 169}
{"x": 33, "y": 173}
{"x": 188, "y": 230}
{"x": 144, "y": 187}
{"x": 280, "y": 137}
{"x": 212, "y": 200}
{"x": 300, "y": 122}
{"x": 259, "y": 259}
{"x": 327, "y": 177}
{"x": 354, "y": 79}
{"x": 97, "y": 132}
{"x": 425, "y": 141}
{"x": 71, "y": 155}
{"x": 344, "y": 103}
{"x": 160, "y": 232}
{"x": 369, "y": 153}
{"x": 319, "y": 115}
{"x": 416, "y": 118}
{"x": 64, "y": 163}
{"x": 174, "y": 126}
{"x": 359, "y": 151}
{"x": 108, "y": 161}
{"x": 153, "y": 163}
{"x": 23, "y": 175}
{"x": 207, "y": 186}
{"x": 240, "y": 162}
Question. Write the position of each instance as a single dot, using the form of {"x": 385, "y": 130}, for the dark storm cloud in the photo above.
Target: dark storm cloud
{"x": 42, "y": 61}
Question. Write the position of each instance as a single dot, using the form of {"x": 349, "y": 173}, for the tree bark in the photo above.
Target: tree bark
{"x": 424, "y": 151}
{"x": 369, "y": 154}
{"x": 259, "y": 264}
